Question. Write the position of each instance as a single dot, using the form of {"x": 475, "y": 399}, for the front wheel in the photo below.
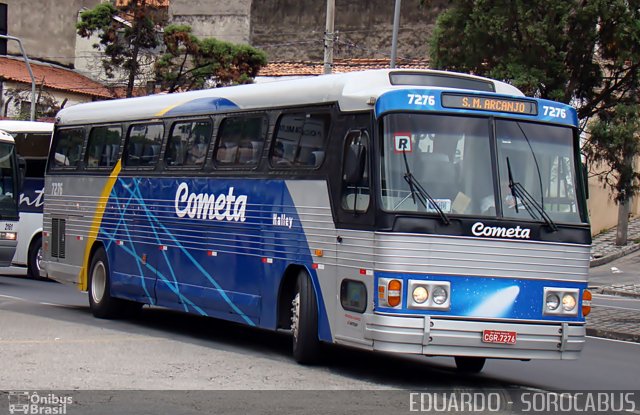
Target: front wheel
{"x": 470, "y": 364}
{"x": 34, "y": 258}
{"x": 304, "y": 322}
{"x": 102, "y": 304}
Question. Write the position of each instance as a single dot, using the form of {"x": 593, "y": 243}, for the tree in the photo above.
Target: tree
{"x": 583, "y": 52}
{"x": 123, "y": 41}
{"x": 189, "y": 62}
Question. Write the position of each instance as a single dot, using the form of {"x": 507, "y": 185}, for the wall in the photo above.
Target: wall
{"x": 45, "y": 27}
{"x": 227, "y": 20}
{"x": 60, "y": 96}
{"x": 603, "y": 211}
{"x": 294, "y": 30}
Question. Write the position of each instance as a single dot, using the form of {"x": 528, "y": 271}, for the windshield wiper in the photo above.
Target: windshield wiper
{"x": 418, "y": 192}
{"x": 520, "y": 194}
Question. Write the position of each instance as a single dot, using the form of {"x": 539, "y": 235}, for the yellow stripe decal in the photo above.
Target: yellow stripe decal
{"x": 169, "y": 108}
{"x": 95, "y": 224}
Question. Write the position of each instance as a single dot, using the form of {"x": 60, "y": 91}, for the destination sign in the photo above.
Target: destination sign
{"x": 484, "y": 103}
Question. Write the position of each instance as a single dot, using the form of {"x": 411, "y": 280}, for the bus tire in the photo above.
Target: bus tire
{"x": 466, "y": 364}
{"x": 102, "y": 304}
{"x": 34, "y": 258}
{"x": 304, "y": 322}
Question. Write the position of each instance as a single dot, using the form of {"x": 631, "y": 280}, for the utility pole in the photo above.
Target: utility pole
{"x": 328, "y": 36}
{"x": 394, "y": 39}
{"x": 33, "y": 80}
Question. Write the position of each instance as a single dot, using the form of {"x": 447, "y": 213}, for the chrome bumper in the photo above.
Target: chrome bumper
{"x": 429, "y": 335}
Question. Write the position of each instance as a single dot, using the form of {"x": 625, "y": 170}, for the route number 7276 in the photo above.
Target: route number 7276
{"x": 418, "y": 99}
{"x": 554, "y": 112}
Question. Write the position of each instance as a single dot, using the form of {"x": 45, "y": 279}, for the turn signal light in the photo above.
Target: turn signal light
{"x": 394, "y": 290}
{"x": 586, "y": 303}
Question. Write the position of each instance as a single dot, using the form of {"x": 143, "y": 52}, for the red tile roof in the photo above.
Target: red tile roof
{"x": 154, "y": 3}
{"x": 339, "y": 65}
{"x": 53, "y": 77}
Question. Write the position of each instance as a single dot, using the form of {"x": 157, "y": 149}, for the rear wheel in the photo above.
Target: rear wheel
{"x": 102, "y": 304}
{"x": 467, "y": 364}
{"x": 304, "y": 322}
{"x": 34, "y": 258}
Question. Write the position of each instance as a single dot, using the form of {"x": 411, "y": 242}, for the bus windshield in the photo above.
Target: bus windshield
{"x": 450, "y": 158}
{"x": 8, "y": 206}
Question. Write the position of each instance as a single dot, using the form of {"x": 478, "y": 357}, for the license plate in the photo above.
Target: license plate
{"x": 498, "y": 336}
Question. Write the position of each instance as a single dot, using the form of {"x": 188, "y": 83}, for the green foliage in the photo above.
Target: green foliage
{"x": 123, "y": 43}
{"x": 614, "y": 141}
{"x": 190, "y": 62}
{"x": 583, "y": 52}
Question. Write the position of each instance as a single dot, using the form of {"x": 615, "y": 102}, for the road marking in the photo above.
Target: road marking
{"x": 613, "y": 340}
{"x": 57, "y": 340}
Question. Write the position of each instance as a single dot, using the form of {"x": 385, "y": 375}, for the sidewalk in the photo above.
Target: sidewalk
{"x": 615, "y": 323}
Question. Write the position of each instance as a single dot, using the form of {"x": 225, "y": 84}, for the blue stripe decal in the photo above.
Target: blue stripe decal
{"x": 488, "y": 297}
{"x": 431, "y": 100}
{"x": 201, "y": 245}
{"x": 202, "y": 106}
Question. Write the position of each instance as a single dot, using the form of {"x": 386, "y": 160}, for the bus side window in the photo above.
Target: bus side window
{"x": 300, "y": 140}
{"x": 103, "y": 146}
{"x": 240, "y": 141}
{"x": 188, "y": 143}
{"x": 143, "y": 145}
{"x": 68, "y": 148}
{"x": 355, "y": 190}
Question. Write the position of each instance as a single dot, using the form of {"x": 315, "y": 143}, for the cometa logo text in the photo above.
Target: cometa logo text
{"x": 479, "y": 229}
{"x": 210, "y": 206}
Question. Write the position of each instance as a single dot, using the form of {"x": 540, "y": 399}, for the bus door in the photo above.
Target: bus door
{"x": 355, "y": 236}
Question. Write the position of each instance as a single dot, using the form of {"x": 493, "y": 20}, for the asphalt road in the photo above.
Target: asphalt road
{"x": 50, "y": 340}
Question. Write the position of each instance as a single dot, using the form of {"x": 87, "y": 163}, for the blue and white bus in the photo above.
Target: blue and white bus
{"x": 11, "y": 179}
{"x": 32, "y": 144}
{"x": 420, "y": 212}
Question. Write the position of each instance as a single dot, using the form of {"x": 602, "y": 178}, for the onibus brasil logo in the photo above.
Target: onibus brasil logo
{"x": 42, "y": 404}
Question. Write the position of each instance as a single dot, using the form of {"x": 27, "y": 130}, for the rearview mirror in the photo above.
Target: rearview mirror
{"x": 354, "y": 163}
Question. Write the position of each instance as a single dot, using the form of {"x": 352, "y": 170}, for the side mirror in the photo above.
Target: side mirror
{"x": 354, "y": 163}
{"x": 22, "y": 171}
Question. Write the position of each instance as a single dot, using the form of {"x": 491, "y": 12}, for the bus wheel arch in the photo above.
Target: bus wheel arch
{"x": 298, "y": 311}
{"x": 34, "y": 256}
{"x": 101, "y": 303}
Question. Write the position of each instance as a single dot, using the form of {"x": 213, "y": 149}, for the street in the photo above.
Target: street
{"x": 50, "y": 340}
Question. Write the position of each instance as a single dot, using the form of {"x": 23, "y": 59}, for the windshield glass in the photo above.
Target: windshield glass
{"x": 448, "y": 156}
{"x": 8, "y": 206}
{"x": 542, "y": 161}
{"x": 451, "y": 158}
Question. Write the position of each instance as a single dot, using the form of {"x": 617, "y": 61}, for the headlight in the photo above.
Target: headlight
{"x": 439, "y": 295}
{"x": 568, "y": 302}
{"x": 429, "y": 295}
{"x": 420, "y": 294}
{"x": 8, "y": 235}
{"x": 555, "y": 297}
{"x": 552, "y": 302}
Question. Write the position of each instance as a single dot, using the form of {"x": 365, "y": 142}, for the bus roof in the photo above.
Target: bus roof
{"x": 353, "y": 91}
{"x": 13, "y": 126}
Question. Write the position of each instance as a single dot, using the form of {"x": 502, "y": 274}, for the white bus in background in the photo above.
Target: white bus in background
{"x": 32, "y": 144}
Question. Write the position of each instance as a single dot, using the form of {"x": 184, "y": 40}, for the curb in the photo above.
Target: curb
{"x": 614, "y": 335}
{"x": 606, "y": 259}
{"x": 619, "y": 293}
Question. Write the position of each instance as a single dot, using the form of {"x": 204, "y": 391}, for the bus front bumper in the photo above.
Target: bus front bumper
{"x": 7, "y": 250}
{"x": 435, "y": 336}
